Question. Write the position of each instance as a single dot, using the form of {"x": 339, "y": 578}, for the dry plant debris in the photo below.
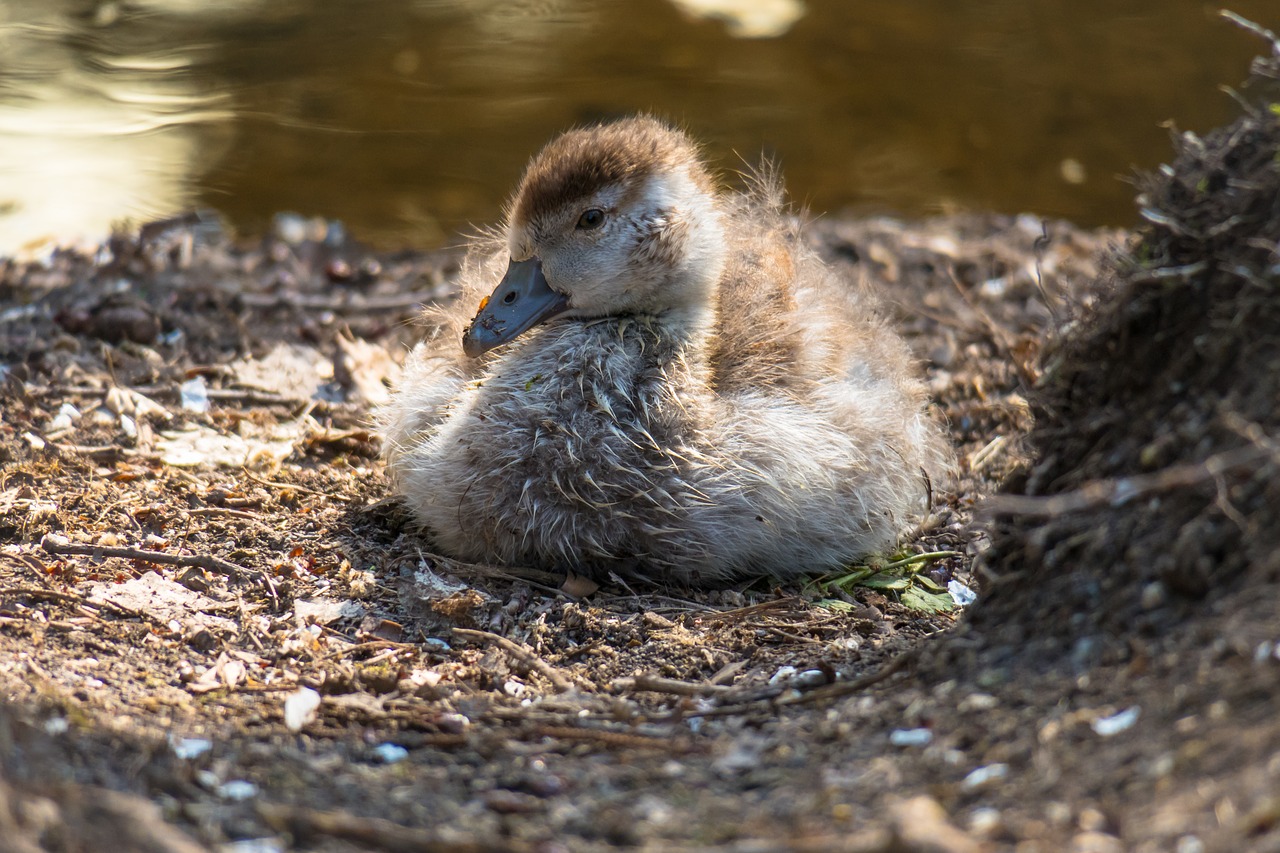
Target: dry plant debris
{"x": 241, "y": 640}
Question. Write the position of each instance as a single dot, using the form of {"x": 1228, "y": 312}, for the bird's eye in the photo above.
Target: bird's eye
{"x": 589, "y": 219}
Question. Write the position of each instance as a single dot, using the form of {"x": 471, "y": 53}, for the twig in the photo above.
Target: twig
{"x": 222, "y": 510}
{"x": 614, "y": 739}
{"x": 70, "y": 598}
{"x": 295, "y": 487}
{"x": 249, "y": 396}
{"x": 750, "y": 610}
{"x": 523, "y": 653}
{"x": 989, "y": 451}
{"x": 772, "y": 693}
{"x": 372, "y": 645}
{"x": 104, "y": 450}
{"x": 353, "y": 303}
{"x": 790, "y": 637}
{"x": 56, "y": 624}
{"x": 1098, "y": 493}
{"x": 57, "y": 546}
{"x": 547, "y": 581}
{"x": 658, "y": 684}
{"x": 841, "y": 689}
{"x": 377, "y": 834}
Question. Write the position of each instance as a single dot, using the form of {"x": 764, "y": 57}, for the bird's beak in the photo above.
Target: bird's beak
{"x": 522, "y": 300}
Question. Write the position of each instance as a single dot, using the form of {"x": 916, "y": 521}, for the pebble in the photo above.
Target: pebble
{"x": 390, "y": 753}
{"x": 188, "y": 748}
{"x": 982, "y": 775}
{"x": 253, "y": 845}
{"x": 784, "y": 673}
{"x": 1096, "y": 842}
{"x": 1116, "y": 723}
{"x": 978, "y": 702}
{"x": 1154, "y": 595}
{"x": 300, "y": 708}
{"x": 237, "y": 790}
{"x": 910, "y": 737}
{"x": 986, "y": 822}
{"x": 920, "y": 824}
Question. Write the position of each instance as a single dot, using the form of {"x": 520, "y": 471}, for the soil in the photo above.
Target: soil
{"x": 218, "y": 632}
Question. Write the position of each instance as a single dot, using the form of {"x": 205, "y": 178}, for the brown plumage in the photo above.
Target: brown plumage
{"x": 669, "y": 384}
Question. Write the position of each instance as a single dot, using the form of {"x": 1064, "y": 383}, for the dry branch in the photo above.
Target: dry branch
{"x": 657, "y": 684}
{"x": 58, "y": 546}
{"x": 522, "y": 653}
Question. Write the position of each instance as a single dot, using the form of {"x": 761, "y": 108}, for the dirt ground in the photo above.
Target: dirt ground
{"x": 218, "y": 632}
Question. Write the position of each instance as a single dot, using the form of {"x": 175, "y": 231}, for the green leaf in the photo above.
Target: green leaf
{"x": 927, "y": 602}
{"x": 887, "y": 581}
{"x": 930, "y": 583}
{"x": 835, "y": 604}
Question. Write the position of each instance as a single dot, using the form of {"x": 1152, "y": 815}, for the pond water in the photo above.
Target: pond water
{"x": 410, "y": 119}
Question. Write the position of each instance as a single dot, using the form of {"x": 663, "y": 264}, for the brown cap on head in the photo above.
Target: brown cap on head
{"x": 578, "y": 163}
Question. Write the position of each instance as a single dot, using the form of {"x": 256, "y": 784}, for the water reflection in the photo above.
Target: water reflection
{"x": 97, "y": 123}
{"x": 411, "y": 118}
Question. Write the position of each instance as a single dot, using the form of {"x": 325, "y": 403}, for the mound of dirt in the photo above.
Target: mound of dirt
{"x": 1158, "y": 480}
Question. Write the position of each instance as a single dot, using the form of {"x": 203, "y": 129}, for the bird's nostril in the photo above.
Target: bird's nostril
{"x": 509, "y": 298}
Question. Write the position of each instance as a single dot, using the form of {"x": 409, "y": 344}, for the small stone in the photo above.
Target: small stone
{"x": 1162, "y": 766}
{"x": 784, "y": 673}
{"x": 983, "y": 775}
{"x": 1096, "y": 842}
{"x": 1154, "y": 595}
{"x": 512, "y": 802}
{"x": 910, "y": 737}
{"x": 920, "y": 823}
{"x": 1189, "y": 844}
{"x": 1116, "y": 723}
{"x": 188, "y": 748}
{"x": 978, "y": 702}
{"x": 300, "y": 708}
{"x": 237, "y": 790}
{"x": 194, "y": 579}
{"x": 1057, "y": 813}
{"x": 986, "y": 822}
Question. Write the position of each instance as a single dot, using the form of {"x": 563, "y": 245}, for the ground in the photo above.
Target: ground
{"x": 219, "y": 631}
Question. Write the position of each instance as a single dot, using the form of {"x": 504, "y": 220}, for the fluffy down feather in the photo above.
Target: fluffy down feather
{"x": 714, "y": 403}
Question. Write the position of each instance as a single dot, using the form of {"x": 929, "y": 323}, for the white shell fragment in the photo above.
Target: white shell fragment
{"x": 961, "y": 594}
{"x": 300, "y": 708}
{"x": 983, "y": 775}
{"x": 390, "y": 753}
{"x": 910, "y": 737}
{"x": 195, "y": 395}
{"x": 1116, "y": 723}
{"x": 188, "y": 748}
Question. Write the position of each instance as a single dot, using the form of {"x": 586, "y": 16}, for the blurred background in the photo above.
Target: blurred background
{"x": 411, "y": 119}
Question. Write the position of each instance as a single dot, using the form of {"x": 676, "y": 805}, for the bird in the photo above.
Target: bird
{"x": 661, "y": 383}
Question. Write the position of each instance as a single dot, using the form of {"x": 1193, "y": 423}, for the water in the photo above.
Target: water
{"x": 410, "y": 119}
